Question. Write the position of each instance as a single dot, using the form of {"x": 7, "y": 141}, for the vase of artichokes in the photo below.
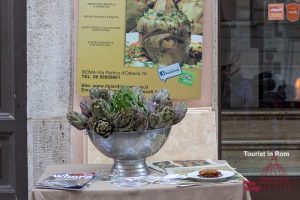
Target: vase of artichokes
{"x": 127, "y": 127}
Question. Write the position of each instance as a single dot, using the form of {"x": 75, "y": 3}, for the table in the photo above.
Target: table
{"x": 103, "y": 190}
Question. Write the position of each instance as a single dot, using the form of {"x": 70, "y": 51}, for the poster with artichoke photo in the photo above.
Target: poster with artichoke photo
{"x": 164, "y": 32}
{"x": 152, "y": 44}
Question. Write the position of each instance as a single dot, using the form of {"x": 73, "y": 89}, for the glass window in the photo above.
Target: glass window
{"x": 260, "y": 85}
{"x": 260, "y": 58}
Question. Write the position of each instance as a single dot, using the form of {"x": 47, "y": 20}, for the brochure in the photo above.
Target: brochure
{"x": 162, "y": 165}
{"x": 66, "y": 181}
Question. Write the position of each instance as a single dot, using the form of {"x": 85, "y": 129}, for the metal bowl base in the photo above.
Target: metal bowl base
{"x": 131, "y": 168}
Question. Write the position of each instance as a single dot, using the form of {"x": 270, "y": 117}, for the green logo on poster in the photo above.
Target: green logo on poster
{"x": 187, "y": 78}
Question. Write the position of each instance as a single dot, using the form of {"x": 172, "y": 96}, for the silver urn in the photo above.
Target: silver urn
{"x": 129, "y": 150}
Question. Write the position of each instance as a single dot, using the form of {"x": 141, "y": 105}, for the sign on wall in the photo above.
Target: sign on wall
{"x": 292, "y": 11}
{"x": 276, "y": 11}
{"x": 153, "y": 44}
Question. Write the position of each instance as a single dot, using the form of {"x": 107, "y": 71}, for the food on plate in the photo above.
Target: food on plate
{"x": 165, "y": 33}
{"x": 209, "y": 173}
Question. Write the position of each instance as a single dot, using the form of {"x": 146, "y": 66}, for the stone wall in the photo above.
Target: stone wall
{"x": 49, "y": 86}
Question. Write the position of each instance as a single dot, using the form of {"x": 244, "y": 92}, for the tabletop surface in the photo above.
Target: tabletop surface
{"x": 107, "y": 191}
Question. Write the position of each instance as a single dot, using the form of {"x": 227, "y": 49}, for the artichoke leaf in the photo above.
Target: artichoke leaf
{"x": 123, "y": 121}
{"x": 86, "y": 108}
{"x": 140, "y": 119}
{"x": 101, "y": 108}
{"x": 180, "y": 110}
{"x": 78, "y": 120}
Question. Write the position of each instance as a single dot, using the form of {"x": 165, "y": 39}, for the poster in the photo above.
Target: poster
{"x": 153, "y": 44}
{"x": 276, "y": 11}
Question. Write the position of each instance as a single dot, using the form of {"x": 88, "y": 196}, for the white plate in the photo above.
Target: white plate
{"x": 225, "y": 174}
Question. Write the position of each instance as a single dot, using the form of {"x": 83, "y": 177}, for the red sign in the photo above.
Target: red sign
{"x": 292, "y": 11}
{"x": 273, "y": 178}
{"x": 276, "y": 11}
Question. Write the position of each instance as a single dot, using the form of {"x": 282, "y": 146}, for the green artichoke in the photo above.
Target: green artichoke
{"x": 91, "y": 123}
{"x": 165, "y": 33}
{"x": 97, "y": 93}
{"x": 77, "y": 120}
{"x": 123, "y": 121}
{"x": 125, "y": 111}
{"x": 101, "y": 108}
{"x": 103, "y": 127}
{"x": 167, "y": 114}
{"x": 180, "y": 110}
{"x": 161, "y": 119}
{"x": 155, "y": 120}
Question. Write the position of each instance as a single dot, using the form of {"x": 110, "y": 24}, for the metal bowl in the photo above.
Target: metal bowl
{"x": 130, "y": 149}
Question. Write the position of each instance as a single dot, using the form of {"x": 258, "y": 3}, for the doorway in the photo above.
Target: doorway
{"x": 13, "y": 118}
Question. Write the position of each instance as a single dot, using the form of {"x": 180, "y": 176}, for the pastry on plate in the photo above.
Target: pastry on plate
{"x": 209, "y": 173}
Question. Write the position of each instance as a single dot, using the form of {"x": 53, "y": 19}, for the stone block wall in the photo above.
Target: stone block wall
{"x": 49, "y": 86}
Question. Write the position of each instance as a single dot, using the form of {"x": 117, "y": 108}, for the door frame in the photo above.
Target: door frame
{"x": 20, "y": 60}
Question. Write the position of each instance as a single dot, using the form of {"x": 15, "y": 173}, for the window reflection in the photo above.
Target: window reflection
{"x": 260, "y": 59}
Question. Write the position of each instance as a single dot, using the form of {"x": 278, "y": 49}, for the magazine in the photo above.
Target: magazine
{"x": 66, "y": 181}
{"x": 162, "y": 165}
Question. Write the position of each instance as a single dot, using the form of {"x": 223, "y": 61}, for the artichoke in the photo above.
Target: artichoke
{"x": 91, "y": 123}
{"x": 123, "y": 121}
{"x": 97, "y": 93}
{"x": 165, "y": 33}
{"x": 77, "y": 120}
{"x": 180, "y": 110}
{"x": 161, "y": 119}
{"x": 101, "y": 108}
{"x": 160, "y": 95}
{"x": 126, "y": 110}
{"x": 159, "y": 100}
{"x": 86, "y": 108}
{"x": 140, "y": 119}
{"x": 103, "y": 127}
{"x": 167, "y": 114}
{"x": 155, "y": 120}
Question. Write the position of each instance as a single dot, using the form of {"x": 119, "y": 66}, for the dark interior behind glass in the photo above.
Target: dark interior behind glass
{"x": 260, "y": 85}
